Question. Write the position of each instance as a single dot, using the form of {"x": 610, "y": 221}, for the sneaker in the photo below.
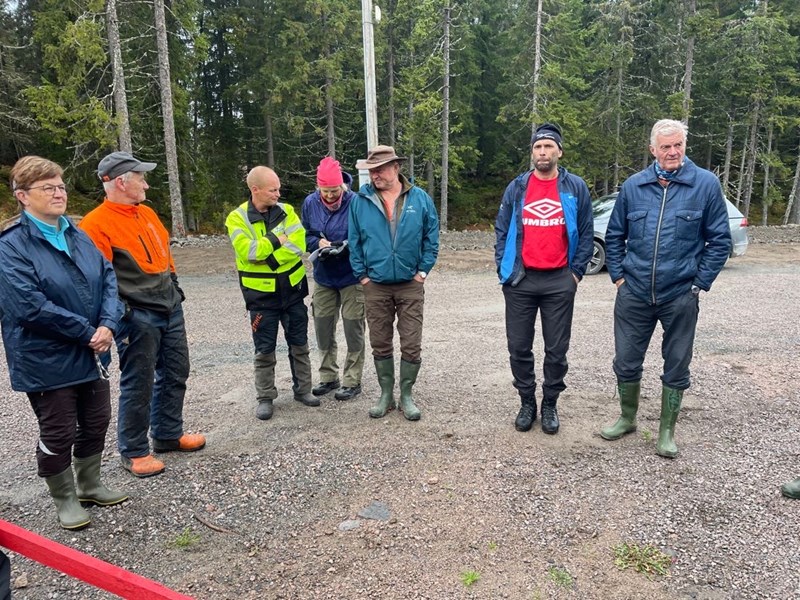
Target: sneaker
{"x": 307, "y": 399}
{"x": 264, "y": 410}
{"x": 142, "y": 466}
{"x": 348, "y": 393}
{"x": 325, "y": 387}
{"x": 188, "y": 442}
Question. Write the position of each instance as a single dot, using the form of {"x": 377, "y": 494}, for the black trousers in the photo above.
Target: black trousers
{"x": 634, "y": 323}
{"x": 551, "y": 293}
{"x": 5, "y": 577}
{"x": 71, "y": 416}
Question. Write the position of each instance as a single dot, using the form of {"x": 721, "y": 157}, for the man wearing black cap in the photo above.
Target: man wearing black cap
{"x": 151, "y": 340}
{"x": 544, "y": 231}
{"x": 393, "y": 236}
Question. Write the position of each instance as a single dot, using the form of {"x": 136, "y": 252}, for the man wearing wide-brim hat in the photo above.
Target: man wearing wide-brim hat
{"x": 394, "y": 241}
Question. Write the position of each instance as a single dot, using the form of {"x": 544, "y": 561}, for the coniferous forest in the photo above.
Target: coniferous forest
{"x": 210, "y": 88}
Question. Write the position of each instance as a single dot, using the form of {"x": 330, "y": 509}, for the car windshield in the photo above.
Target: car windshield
{"x": 602, "y": 206}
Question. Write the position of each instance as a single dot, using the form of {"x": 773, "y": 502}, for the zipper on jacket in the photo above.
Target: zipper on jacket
{"x": 655, "y": 249}
{"x": 146, "y": 251}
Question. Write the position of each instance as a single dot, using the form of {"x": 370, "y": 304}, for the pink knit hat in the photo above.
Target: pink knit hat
{"x": 329, "y": 173}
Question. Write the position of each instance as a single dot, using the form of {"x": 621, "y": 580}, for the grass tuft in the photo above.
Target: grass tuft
{"x": 186, "y": 539}
{"x": 560, "y": 577}
{"x": 470, "y": 577}
{"x": 645, "y": 559}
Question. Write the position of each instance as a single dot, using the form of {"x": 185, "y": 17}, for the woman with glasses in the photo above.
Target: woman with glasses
{"x": 325, "y": 219}
{"x": 58, "y": 310}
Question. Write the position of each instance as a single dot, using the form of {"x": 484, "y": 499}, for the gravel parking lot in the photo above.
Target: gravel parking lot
{"x": 271, "y": 509}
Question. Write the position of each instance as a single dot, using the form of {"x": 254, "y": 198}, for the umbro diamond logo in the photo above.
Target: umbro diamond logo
{"x": 543, "y": 209}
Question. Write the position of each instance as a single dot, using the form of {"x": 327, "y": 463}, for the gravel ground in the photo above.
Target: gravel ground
{"x": 287, "y": 508}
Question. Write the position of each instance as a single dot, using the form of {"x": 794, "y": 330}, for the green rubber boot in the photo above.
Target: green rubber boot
{"x": 791, "y": 489}
{"x": 384, "y": 367}
{"x": 670, "y": 407}
{"x": 70, "y": 512}
{"x": 89, "y": 488}
{"x": 629, "y": 404}
{"x": 408, "y": 377}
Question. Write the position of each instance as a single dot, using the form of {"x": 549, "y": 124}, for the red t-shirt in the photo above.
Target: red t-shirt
{"x": 544, "y": 233}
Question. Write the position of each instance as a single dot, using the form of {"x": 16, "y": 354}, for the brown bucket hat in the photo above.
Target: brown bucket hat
{"x": 377, "y": 157}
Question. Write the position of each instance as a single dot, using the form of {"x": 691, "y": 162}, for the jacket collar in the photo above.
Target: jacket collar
{"x": 272, "y": 214}
{"x": 130, "y": 210}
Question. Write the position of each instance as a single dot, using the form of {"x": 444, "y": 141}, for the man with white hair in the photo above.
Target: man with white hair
{"x": 667, "y": 240}
{"x": 151, "y": 339}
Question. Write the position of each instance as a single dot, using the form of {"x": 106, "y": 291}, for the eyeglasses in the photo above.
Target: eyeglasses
{"x": 50, "y": 190}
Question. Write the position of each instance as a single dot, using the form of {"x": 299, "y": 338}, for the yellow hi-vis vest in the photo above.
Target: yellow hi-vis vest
{"x": 261, "y": 260}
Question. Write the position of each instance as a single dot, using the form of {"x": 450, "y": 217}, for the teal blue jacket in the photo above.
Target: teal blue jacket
{"x": 373, "y": 252}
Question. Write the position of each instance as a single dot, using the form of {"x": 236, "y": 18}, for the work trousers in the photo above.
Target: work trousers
{"x": 72, "y": 420}
{"x": 326, "y": 303}
{"x": 551, "y": 293}
{"x": 634, "y": 323}
{"x": 294, "y": 320}
{"x": 154, "y": 367}
{"x": 385, "y": 301}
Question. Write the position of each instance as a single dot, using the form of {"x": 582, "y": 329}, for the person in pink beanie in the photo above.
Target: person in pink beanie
{"x": 336, "y": 290}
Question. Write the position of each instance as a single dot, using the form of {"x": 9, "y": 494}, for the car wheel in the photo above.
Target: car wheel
{"x": 598, "y": 260}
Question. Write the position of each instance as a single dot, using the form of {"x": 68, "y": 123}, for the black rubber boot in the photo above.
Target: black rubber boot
{"x": 527, "y": 414}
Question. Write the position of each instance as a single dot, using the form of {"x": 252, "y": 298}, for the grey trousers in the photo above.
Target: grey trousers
{"x": 326, "y": 304}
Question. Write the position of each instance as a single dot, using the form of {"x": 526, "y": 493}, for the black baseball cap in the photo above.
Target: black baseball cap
{"x": 119, "y": 163}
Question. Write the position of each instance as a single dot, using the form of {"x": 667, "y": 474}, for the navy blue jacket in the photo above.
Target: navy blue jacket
{"x": 577, "y": 205}
{"x": 415, "y": 247}
{"x": 334, "y": 272}
{"x": 663, "y": 240}
{"x": 50, "y": 306}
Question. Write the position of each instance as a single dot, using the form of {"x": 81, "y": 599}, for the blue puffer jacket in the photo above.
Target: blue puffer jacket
{"x": 577, "y": 205}
{"x": 51, "y": 305}
{"x": 415, "y": 247}
{"x": 318, "y": 221}
{"x": 664, "y": 240}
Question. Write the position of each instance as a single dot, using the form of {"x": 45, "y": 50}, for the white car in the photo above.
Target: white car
{"x": 602, "y": 212}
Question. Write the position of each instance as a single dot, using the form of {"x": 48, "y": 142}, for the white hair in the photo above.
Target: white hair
{"x": 667, "y": 127}
{"x": 109, "y": 185}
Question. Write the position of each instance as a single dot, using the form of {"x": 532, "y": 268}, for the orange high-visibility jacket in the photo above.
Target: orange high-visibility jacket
{"x": 137, "y": 244}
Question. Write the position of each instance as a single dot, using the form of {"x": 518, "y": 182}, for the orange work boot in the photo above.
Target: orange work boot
{"x": 143, "y": 466}
{"x": 188, "y": 442}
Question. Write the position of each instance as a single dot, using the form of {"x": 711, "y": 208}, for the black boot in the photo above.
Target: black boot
{"x": 527, "y": 414}
{"x": 550, "y": 415}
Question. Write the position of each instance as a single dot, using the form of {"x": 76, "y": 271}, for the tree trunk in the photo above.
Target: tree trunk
{"x": 118, "y": 73}
{"x": 687, "y": 75}
{"x": 765, "y": 203}
{"x": 537, "y": 67}
{"x": 792, "y": 214}
{"x": 742, "y": 175}
{"x": 176, "y": 204}
{"x": 430, "y": 177}
{"x": 270, "y": 141}
{"x": 750, "y": 169}
{"x": 445, "y": 120}
{"x": 726, "y": 170}
{"x": 329, "y": 112}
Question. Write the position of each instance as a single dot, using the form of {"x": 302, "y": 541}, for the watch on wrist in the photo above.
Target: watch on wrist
{"x": 695, "y": 290}
{"x": 422, "y": 274}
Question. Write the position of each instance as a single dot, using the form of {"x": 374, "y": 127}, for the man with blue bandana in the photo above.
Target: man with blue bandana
{"x": 667, "y": 240}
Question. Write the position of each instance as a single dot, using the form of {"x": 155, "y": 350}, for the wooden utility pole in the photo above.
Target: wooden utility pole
{"x": 370, "y": 95}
